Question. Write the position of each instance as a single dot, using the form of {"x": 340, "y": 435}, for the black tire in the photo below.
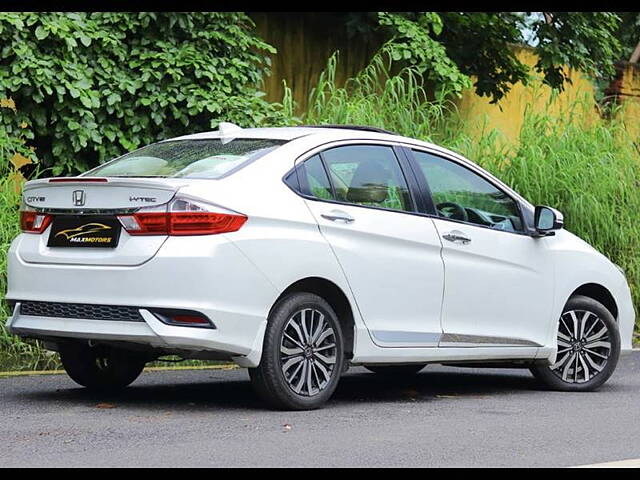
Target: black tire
{"x": 396, "y": 370}
{"x": 552, "y": 377}
{"x": 270, "y": 381}
{"x": 99, "y": 368}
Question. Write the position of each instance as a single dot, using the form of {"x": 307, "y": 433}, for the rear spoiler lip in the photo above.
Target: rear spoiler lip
{"x": 56, "y": 182}
{"x": 78, "y": 180}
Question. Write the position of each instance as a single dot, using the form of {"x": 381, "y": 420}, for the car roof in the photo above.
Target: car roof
{"x": 291, "y": 133}
{"x": 325, "y": 134}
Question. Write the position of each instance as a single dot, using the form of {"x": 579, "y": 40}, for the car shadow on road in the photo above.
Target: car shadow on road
{"x": 427, "y": 385}
{"x": 203, "y": 390}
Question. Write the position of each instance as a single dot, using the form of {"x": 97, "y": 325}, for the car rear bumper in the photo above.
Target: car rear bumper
{"x": 207, "y": 274}
{"x": 151, "y": 332}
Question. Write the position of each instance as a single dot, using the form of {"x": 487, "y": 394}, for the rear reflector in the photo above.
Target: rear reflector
{"x": 183, "y": 318}
{"x": 183, "y": 217}
{"x": 190, "y": 319}
{"x": 34, "y": 222}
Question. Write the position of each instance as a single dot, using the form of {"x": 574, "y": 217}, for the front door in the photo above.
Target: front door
{"x": 498, "y": 281}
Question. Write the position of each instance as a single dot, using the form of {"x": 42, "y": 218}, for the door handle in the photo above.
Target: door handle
{"x": 338, "y": 216}
{"x": 457, "y": 237}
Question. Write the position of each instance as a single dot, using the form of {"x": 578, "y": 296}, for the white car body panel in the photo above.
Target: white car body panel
{"x": 236, "y": 278}
{"x": 393, "y": 265}
{"x": 489, "y": 287}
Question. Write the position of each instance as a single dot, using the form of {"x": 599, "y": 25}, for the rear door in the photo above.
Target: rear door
{"x": 360, "y": 198}
{"x": 498, "y": 281}
{"x": 84, "y": 209}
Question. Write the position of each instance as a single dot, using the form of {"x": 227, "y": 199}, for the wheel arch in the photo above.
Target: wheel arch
{"x": 338, "y": 300}
{"x": 599, "y": 293}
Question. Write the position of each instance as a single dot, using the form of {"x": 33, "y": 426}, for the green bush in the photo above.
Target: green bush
{"x": 96, "y": 84}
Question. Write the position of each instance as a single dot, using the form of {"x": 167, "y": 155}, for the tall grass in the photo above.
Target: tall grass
{"x": 379, "y": 98}
{"x": 15, "y": 354}
{"x": 587, "y": 167}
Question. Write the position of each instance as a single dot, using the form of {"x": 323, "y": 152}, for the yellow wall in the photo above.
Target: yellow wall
{"x": 630, "y": 97}
{"x": 305, "y": 42}
{"x": 479, "y": 114}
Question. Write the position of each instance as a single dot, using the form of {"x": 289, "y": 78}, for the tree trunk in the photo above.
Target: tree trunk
{"x": 635, "y": 56}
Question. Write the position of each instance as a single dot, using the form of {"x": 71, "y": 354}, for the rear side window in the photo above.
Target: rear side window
{"x": 367, "y": 175}
{"x": 211, "y": 158}
{"x": 317, "y": 182}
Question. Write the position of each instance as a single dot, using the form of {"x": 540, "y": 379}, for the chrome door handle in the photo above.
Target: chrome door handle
{"x": 457, "y": 237}
{"x": 338, "y": 216}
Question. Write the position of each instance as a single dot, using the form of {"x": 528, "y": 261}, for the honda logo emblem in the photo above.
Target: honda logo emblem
{"x": 79, "y": 198}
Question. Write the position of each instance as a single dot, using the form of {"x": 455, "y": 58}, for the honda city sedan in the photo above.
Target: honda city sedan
{"x": 296, "y": 252}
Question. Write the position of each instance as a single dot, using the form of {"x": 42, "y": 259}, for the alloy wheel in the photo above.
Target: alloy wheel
{"x": 584, "y": 346}
{"x": 308, "y": 352}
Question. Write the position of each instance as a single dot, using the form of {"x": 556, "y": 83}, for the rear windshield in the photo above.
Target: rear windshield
{"x": 211, "y": 158}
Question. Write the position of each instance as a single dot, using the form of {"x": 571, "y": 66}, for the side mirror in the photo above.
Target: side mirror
{"x": 547, "y": 220}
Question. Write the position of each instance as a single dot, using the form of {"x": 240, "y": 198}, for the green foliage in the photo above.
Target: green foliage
{"x": 480, "y": 43}
{"x": 452, "y": 46}
{"x": 411, "y": 42}
{"x": 582, "y": 40}
{"x": 588, "y": 170}
{"x": 379, "y": 98}
{"x": 14, "y": 152}
{"x": 628, "y": 32}
{"x": 97, "y": 84}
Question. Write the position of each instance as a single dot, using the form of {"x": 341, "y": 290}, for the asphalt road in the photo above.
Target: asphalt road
{"x": 442, "y": 417}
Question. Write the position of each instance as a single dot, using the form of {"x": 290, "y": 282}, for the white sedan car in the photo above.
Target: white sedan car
{"x": 298, "y": 251}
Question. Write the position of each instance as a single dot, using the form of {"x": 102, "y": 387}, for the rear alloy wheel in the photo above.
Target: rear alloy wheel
{"x": 302, "y": 357}
{"x": 396, "y": 370}
{"x": 588, "y": 348}
{"x": 99, "y": 368}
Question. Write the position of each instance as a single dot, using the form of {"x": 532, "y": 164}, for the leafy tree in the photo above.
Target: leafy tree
{"x": 92, "y": 85}
{"x": 478, "y": 44}
{"x": 412, "y": 41}
{"x": 582, "y": 40}
{"x": 628, "y": 32}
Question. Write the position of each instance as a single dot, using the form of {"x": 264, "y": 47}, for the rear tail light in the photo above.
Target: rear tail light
{"x": 182, "y": 217}
{"x": 33, "y": 222}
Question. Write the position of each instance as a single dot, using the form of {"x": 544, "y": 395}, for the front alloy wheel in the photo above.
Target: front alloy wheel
{"x": 302, "y": 356}
{"x": 588, "y": 347}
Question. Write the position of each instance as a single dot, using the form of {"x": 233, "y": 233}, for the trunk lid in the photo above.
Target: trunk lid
{"x": 98, "y": 193}
{"x": 82, "y": 197}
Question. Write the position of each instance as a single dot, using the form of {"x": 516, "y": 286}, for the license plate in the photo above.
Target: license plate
{"x": 84, "y": 231}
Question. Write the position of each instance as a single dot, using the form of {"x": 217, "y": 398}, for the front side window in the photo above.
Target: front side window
{"x": 367, "y": 175}
{"x": 460, "y": 194}
{"x": 210, "y": 158}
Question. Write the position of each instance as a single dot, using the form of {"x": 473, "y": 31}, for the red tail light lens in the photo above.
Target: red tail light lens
{"x": 34, "y": 222}
{"x": 183, "y": 217}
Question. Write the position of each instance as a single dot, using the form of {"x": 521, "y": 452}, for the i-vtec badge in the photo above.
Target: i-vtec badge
{"x": 143, "y": 199}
